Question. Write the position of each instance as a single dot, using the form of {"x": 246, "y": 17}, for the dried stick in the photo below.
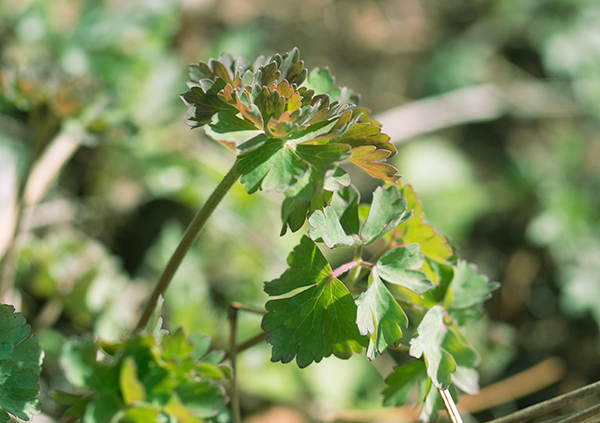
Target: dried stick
{"x": 550, "y": 405}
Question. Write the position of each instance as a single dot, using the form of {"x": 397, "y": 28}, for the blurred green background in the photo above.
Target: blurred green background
{"x": 494, "y": 106}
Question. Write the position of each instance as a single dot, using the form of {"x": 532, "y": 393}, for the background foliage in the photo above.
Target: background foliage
{"x": 517, "y": 189}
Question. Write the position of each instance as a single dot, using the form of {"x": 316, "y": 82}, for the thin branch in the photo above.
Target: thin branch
{"x": 581, "y": 415}
{"x": 243, "y": 307}
{"x": 255, "y": 340}
{"x": 187, "y": 241}
{"x": 479, "y": 103}
{"x": 550, "y": 405}
{"x": 42, "y": 174}
{"x": 234, "y": 394}
{"x": 450, "y": 406}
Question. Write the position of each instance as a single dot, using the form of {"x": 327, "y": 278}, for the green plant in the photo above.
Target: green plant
{"x": 403, "y": 288}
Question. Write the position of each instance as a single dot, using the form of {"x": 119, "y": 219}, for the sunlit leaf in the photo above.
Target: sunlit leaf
{"x": 326, "y": 226}
{"x": 401, "y": 267}
{"x": 380, "y": 317}
{"x": 386, "y": 212}
{"x": 316, "y": 322}
{"x": 428, "y": 344}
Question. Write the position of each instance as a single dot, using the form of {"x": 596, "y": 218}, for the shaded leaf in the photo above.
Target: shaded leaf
{"x": 467, "y": 287}
{"x": 401, "y": 380}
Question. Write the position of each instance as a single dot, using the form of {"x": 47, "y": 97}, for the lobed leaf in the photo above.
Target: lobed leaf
{"x": 401, "y": 267}
{"x": 380, "y": 317}
{"x": 433, "y": 245}
{"x": 428, "y": 344}
{"x": 387, "y": 211}
{"x": 316, "y": 322}
{"x": 401, "y": 381}
{"x": 20, "y": 366}
{"x": 326, "y": 227}
{"x": 467, "y": 288}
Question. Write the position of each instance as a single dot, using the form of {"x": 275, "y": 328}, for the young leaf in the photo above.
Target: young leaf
{"x": 467, "y": 287}
{"x": 387, "y": 211}
{"x": 372, "y": 161}
{"x": 327, "y": 227}
{"x": 431, "y": 333}
{"x": 400, "y": 382}
{"x": 379, "y": 316}
{"x": 318, "y": 321}
{"x": 20, "y": 365}
{"x": 320, "y": 80}
{"x": 400, "y": 266}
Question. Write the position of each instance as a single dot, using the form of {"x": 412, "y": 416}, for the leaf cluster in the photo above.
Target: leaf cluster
{"x": 290, "y": 128}
{"x": 146, "y": 378}
{"x": 410, "y": 278}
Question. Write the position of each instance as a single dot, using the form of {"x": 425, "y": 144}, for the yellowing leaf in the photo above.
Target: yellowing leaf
{"x": 131, "y": 388}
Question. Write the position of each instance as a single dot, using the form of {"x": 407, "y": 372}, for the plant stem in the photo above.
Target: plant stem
{"x": 188, "y": 239}
{"x": 450, "y": 406}
{"x": 236, "y": 414}
{"x": 354, "y": 275}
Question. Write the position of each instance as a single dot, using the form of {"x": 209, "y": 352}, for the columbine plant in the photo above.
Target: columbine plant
{"x": 404, "y": 290}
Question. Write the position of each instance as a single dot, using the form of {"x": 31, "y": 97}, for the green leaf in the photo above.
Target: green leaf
{"x": 102, "y": 409}
{"x": 379, "y": 316}
{"x": 466, "y": 379}
{"x": 400, "y": 266}
{"x": 386, "y": 212}
{"x": 294, "y": 211}
{"x": 432, "y": 402}
{"x": 146, "y": 414}
{"x": 345, "y": 203}
{"x": 318, "y": 321}
{"x": 467, "y": 287}
{"x": 326, "y": 226}
{"x": 460, "y": 348}
{"x": 131, "y": 388}
{"x": 19, "y": 389}
{"x": 428, "y": 343}
{"x": 179, "y": 410}
{"x": 226, "y": 126}
{"x": 271, "y": 166}
{"x": 400, "y": 382}
{"x": 320, "y": 80}
{"x": 433, "y": 245}
{"x": 20, "y": 365}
